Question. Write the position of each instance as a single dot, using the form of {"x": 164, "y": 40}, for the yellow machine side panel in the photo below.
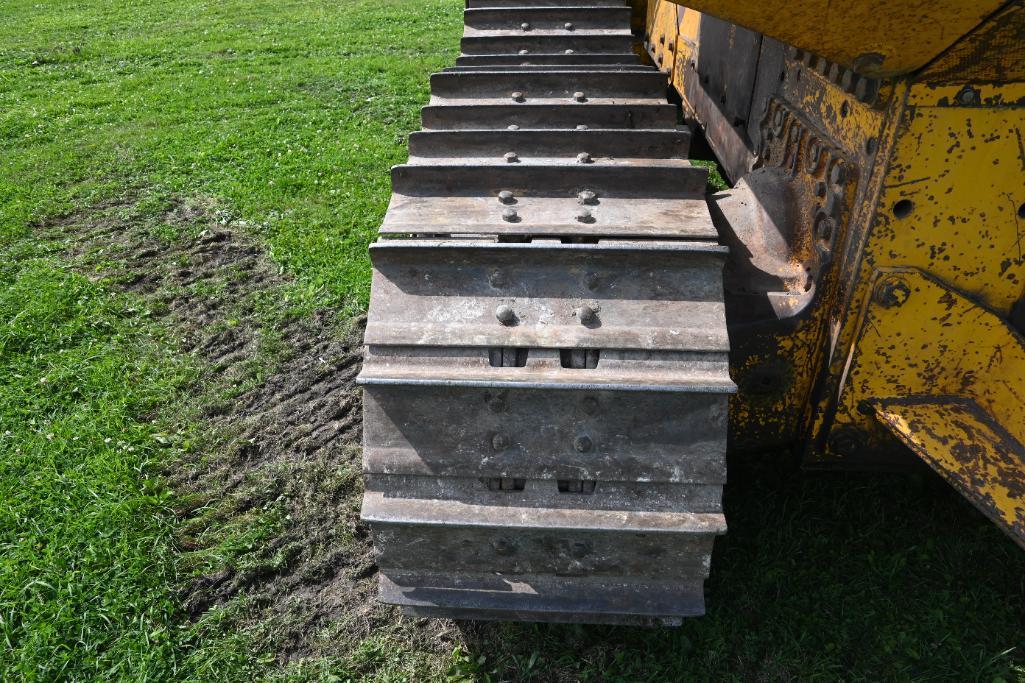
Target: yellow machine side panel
{"x": 875, "y": 37}
{"x": 953, "y": 203}
{"x": 959, "y": 441}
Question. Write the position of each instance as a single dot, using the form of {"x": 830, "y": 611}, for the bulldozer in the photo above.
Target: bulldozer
{"x": 567, "y": 333}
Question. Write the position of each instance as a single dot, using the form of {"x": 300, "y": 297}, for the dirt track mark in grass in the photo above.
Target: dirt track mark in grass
{"x": 269, "y": 465}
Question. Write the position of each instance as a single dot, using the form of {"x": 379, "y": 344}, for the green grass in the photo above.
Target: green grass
{"x": 287, "y": 115}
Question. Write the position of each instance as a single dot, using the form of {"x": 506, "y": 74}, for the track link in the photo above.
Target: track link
{"x": 546, "y": 371}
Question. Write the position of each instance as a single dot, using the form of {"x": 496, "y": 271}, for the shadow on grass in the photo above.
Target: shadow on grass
{"x": 827, "y": 575}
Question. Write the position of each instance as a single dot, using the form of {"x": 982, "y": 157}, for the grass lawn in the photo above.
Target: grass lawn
{"x": 157, "y": 519}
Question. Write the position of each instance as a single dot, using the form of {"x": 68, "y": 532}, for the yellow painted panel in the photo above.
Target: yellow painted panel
{"x": 958, "y": 440}
{"x": 876, "y": 37}
{"x": 953, "y": 202}
{"x": 919, "y": 337}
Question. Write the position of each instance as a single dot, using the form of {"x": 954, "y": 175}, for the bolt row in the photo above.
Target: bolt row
{"x": 518, "y": 96}
{"x": 585, "y": 314}
{"x": 525, "y": 26}
{"x": 582, "y": 158}
{"x": 527, "y": 52}
{"x": 583, "y": 197}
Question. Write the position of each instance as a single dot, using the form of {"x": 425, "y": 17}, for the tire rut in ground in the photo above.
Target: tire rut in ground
{"x": 288, "y": 442}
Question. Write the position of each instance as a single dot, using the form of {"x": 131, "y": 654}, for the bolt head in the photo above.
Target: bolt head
{"x": 586, "y": 314}
{"x": 569, "y": 52}
{"x": 591, "y": 405}
{"x": 513, "y": 126}
{"x": 587, "y": 197}
{"x": 506, "y": 197}
{"x": 499, "y": 442}
{"x": 510, "y": 216}
{"x": 584, "y": 158}
{"x": 525, "y": 26}
{"x": 968, "y": 96}
{"x": 581, "y": 127}
{"x": 524, "y": 52}
{"x": 518, "y": 96}
{"x": 505, "y": 314}
{"x": 511, "y": 157}
{"x": 579, "y": 96}
{"x": 568, "y": 26}
{"x": 496, "y": 404}
{"x": 585, "y": 216}
{"x": 583, "y": 443}
{"x": 891, "y": 292}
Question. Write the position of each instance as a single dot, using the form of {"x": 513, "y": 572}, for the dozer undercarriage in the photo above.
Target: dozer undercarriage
{"x": 546, "y": 374}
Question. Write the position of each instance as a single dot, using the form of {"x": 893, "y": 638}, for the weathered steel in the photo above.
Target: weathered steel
{"x": 602, "y": 144}
{"x": 546, "y": 373}
{"x": 551, "y": 59}
{"x": 484, "y": 116}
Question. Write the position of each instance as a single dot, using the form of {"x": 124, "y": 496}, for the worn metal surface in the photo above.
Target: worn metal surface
{"x": 546, "y": 373}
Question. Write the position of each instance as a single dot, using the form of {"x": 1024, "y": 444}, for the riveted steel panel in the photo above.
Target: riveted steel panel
{"x": 558, "y": 58}
{"x": 573, "y": 116}
{"x": 600, "y": 144}
{"x": 547, "y": 85}
{"x": 627, "y": 436}
{"x": 644, "y": 296}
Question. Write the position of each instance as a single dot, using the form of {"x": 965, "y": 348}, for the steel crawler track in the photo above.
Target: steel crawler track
{"x": 546, "y": 371}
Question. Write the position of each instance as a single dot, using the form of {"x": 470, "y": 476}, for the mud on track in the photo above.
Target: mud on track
{"x": 276, "y": 415}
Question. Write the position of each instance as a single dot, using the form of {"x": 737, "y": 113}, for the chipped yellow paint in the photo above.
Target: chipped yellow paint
{"x": 939, "y": 204}
{"x": 877, "y": 37}
{"x": 963, "y": 444}
{"x": 920, "y": 337}
{"x": 953, "y": 203}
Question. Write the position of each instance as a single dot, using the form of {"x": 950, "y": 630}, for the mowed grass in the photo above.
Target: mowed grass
{"x": 288, "y": 115}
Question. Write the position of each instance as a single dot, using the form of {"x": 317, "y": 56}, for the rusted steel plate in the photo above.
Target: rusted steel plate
{"x": 528, "y": 144}
{"x": 546, "y": 44}
{"x": 656, "y": 296}
{"x": 685, "y": 219}
{"x": 538, "y": 434}
{"x": 572, "y": 116}
{"x": 547, "y": 18}
{"x": 682, "y": 526}
{"x": 529, "y": 85}
{"x": 958, "y": 439}
{"x": 558, "y": 58}
{"x": 672, "y": 178}
{"x": 540, "y": 598}
{"x": 607, "y": 495}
